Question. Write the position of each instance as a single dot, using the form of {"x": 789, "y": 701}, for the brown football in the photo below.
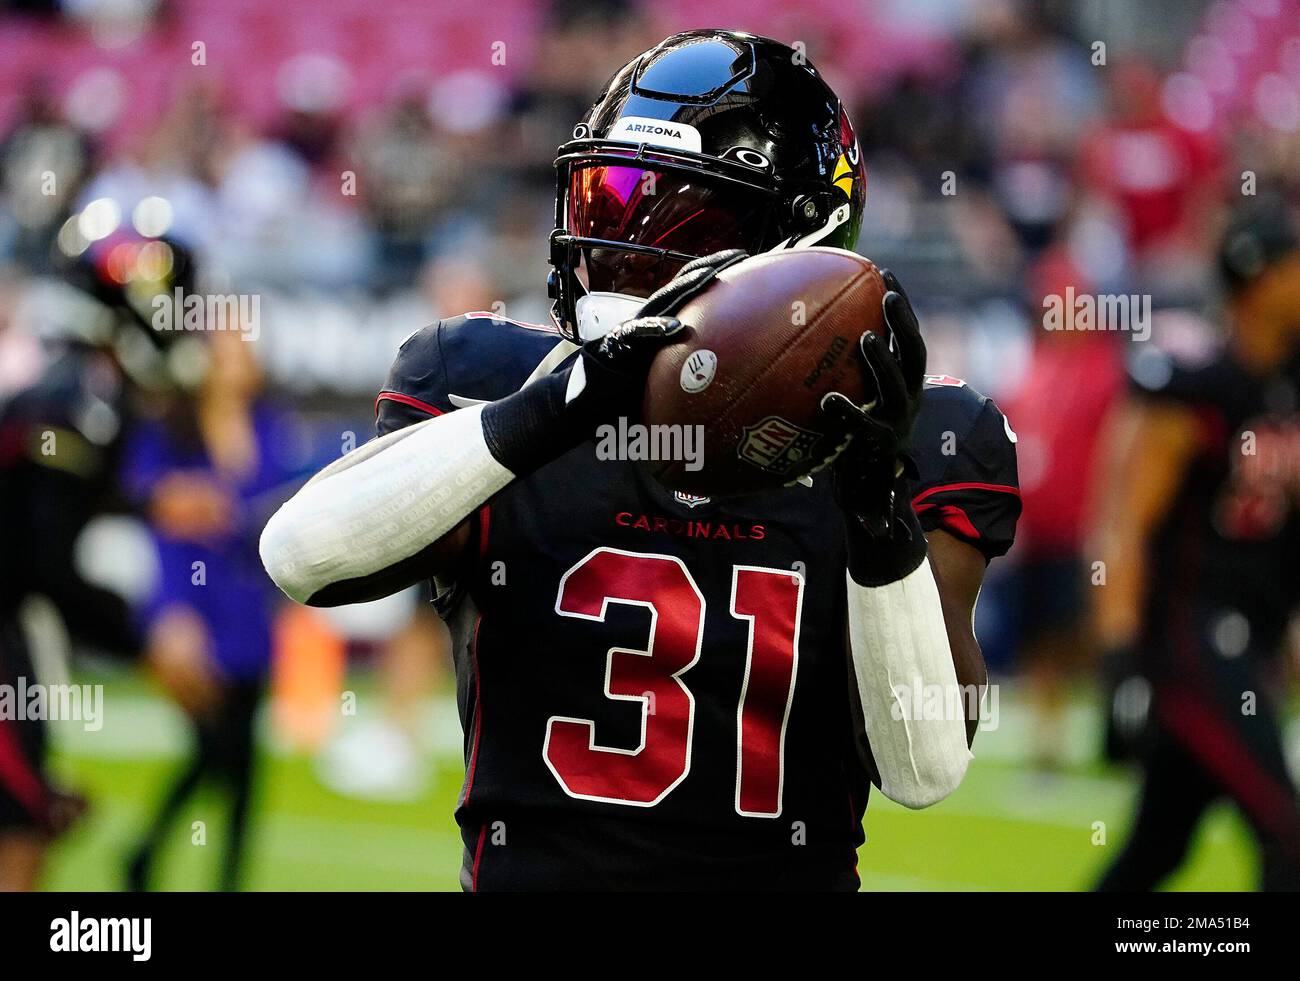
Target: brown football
{"x": 767, "y": 339}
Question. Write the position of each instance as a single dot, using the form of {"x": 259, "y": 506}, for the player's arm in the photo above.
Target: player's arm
{"x": 967, "y": 498}
{"x": 392, "y": 512}
{"x": 898, "y": 637}
{"x": 959, "y": 570}
{"x": 1148, "y": 446}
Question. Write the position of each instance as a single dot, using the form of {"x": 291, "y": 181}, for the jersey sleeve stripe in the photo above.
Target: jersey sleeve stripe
{"x": 953, "y": 518}
{"x": 484, "y": 524}
{"x": 968, "y": 485}
{"x": 478, "y": 857}
{"x": 410, "y": 400}
{"x": 478, "y": 715}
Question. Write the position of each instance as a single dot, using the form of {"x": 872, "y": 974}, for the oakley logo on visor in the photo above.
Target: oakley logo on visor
{"x": 656, "y": 132}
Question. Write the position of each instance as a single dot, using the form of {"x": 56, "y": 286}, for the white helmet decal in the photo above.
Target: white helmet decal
{"x": 656, "y": 132}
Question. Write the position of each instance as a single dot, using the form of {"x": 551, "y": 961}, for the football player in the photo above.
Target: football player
{"x": 659, "y": 690}
{"x": 60, "y": 443}
{"x": 1198, "y": 529}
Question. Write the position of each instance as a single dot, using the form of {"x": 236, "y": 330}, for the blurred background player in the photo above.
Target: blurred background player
{"x": 204, "y": 472}
{"x": 1069, "y": 382}
{"x": 1199, "y": 532}
{"x": 61, "y": 434}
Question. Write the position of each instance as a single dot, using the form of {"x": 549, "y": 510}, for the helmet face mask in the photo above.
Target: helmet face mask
{"x": 712, "y": 140}
{"x": 627, "y": 221}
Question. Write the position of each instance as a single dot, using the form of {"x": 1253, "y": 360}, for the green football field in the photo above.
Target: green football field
{"x": 1008, "y": 827}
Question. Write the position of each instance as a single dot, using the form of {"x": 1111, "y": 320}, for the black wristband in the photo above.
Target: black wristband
{"x": 880, "y": 560}
{"x": 532, "y": 427}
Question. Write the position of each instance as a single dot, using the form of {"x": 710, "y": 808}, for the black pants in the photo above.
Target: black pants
{"x": 1199, "y": 751}
{"x": 224, "y": 752}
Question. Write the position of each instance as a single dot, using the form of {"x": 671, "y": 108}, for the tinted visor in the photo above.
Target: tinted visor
{"x": 668, "y": 216}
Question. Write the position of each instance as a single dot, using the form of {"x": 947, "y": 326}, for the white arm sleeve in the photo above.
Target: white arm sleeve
{"x": 383, "y": 502}
{"x": 902, "y": 664}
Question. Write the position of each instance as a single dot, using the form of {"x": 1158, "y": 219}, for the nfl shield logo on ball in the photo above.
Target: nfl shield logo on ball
{"x": 776, "y": 444}
{"x": 698, "y": 371}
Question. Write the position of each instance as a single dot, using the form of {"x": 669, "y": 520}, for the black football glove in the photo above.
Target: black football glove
{"x": 611, "y": 371}
{"x": 870, "y": 476}
{"x": 615, "y": 365}
{"x": 558, "y": 412}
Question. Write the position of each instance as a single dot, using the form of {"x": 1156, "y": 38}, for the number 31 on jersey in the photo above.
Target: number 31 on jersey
{"x": 770, "y": 599}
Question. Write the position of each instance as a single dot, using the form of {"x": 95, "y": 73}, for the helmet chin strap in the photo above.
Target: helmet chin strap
{"x": 599, "y": 313}
{"x": 837, "y": 218}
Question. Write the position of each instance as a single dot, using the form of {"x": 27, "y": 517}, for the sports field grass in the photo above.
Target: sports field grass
{"x": 1008, "y": 827}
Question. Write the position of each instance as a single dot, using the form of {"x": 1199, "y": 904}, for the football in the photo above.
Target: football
{"x": 767, "y": 339}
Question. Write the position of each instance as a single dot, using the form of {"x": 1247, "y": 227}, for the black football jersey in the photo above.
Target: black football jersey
{"x": 653, "y": 685}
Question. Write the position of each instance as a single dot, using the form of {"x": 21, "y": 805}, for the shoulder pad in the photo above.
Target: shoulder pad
{"x": 462, "y": 361}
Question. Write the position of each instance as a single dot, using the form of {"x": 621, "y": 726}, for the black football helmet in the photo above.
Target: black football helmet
{"x": 128, "y": 273}
{"x": 711, "y": 140}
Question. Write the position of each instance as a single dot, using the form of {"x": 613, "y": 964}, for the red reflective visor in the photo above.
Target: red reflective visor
{"x": 691, "y": 214}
